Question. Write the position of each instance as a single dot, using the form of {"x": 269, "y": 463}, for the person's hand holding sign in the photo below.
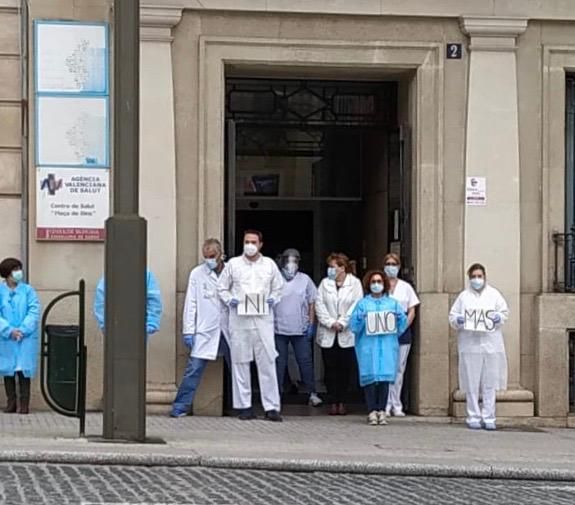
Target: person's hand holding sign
{"x": 234, "y": 302}
{"x": 460, "y": 321}
{"x": 496, "y": 318}
{"x": 271, "y": 302}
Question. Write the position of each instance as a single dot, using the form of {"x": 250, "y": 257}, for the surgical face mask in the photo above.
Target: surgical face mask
{"x": 376, "y": 288}
{"x": 392, "y": 271}
{"x": 332, "y": 273}
{"x": 477, "y": 283}
{"x": 211, "y": 262}
{"x": 250, "y": 250}
{"x": 17, "y": 276}
{"x": 290, "y": 269}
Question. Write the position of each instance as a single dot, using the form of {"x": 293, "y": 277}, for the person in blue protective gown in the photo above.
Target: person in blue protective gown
{"x": 153, "y": 304}
{"x": 377, "y": 322}
{"x": 19, "y": 320}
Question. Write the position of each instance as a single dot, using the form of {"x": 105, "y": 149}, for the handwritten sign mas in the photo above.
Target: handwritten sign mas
{"x": 254, "y": 304}
{"x": 479, "y": 320}
{"x": 381, "y": 323}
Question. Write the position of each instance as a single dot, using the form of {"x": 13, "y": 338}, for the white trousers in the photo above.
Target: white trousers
{"x": 480, "y": 382}
{"x": 267, "y": 377}
{"x": 487, "y": 410}
{"x": 394, "y": 397}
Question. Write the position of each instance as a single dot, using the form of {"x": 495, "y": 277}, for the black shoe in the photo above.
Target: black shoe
{"x": 273, "y": 415}
{"x": 246, "y": 415}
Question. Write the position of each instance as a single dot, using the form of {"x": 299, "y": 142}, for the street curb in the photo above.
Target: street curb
{"x": 472, "y": 471}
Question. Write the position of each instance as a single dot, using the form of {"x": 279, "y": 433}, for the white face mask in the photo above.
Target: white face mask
{"x": 211, "y": 262}
{"x": 250, "y": 250}
{"x": 392, "y": 271}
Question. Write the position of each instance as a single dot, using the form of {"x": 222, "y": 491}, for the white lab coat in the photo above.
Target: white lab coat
{"x": 240, "y": 277}
{"x": 482, "y": 358}
{"x": 334, "y": 305}
{"x": 205, "y": 316}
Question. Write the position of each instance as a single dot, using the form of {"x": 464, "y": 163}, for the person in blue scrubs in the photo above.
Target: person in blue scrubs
{"x": 377, "y": 322}
{"x": 19, "y": 320}
{"x": 153, "y": 305}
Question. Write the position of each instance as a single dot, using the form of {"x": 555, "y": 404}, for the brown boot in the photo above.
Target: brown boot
{"x": 24, "y": 384}
{"x": 10, "y": 387}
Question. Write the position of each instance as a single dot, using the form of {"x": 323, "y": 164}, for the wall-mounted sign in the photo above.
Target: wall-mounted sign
{"x": 72, "y": 204}
{"x": 71, "y": 61}
{"x": 476, "y": 192}
{"x": 454, "y": 51}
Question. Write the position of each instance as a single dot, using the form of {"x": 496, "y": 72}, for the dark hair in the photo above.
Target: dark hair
{"x": 341, "y": 260}
{"x": 476, "y": 266}
{"x": 367, "y": 281}
{"x": 8, "y": 265}
{"x": 254, "y": 232}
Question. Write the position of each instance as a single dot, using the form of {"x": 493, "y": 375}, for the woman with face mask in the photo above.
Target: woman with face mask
{"x": 377, "y": 322}
{"x": 407, "y": 298}
{"x": 478, "y": 315}
{"x": 337, "y": 295}
{"x": 19, "y": 319}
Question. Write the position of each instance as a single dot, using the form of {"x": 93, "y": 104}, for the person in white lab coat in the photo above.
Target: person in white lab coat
{"x": 295, "y": 323}
{"x": 252, "y": 336}
{"x": 478, "y": 314}
{"x": 337, "y": 295}
{"x": 406, "y": 296}
{"x": 205, "y": 324}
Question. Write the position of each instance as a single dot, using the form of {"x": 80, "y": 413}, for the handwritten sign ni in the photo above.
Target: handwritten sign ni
{"x": 479, "y": 320}
{"x": 381, "y": 323}
{"x": 253, "y": 304}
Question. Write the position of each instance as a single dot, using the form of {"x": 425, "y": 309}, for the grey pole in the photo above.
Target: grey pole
{"x": 125, "y": 340}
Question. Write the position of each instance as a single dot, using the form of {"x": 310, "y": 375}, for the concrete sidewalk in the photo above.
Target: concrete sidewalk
{"x": 408, "y": 446}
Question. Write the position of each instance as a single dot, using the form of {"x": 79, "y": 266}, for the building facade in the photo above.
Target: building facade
{"x": 334, "y": 125}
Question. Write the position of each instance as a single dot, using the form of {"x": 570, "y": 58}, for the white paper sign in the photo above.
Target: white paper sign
{"x": 476, "y": 192}
{"x": 479, "y": 320}
{"x": 71, "y": 57}
{"x": 254, "y": 304}
{"x": 72, "y": 204}
{"x": 381, "y": 323}
{"x": 72, "y": 131}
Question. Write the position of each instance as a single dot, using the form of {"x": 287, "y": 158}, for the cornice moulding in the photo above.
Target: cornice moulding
{"x": 493, "y": 26}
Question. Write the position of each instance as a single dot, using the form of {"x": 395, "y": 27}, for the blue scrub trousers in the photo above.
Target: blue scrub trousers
{"x": 192, "y": 377}
{"x": 376, "y": 396}
{"x": 302, "y": 346}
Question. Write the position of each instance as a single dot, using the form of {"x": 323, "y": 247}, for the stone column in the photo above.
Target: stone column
{"x": 158, "y": 189}
{"x": 492, "y": 232}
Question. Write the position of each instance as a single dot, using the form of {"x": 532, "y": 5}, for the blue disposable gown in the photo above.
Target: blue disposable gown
{"x": 377, "y": 355}
{"x": 153, "y": 304}
{"x": 19, "y": 310}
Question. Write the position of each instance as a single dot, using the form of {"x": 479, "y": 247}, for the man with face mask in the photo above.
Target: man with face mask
{"x": 205, "y": 324}
{"x": 247, "y": 280}
{"x": 295, "y": 323}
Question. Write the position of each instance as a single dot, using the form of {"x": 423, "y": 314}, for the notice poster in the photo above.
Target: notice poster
{"x": 72, "y": 131}
{"x": 72, "y": 204}
{"x": 71, "y": 57}
{"x": 381, "y": 323}
{"x": 253, "y": 305}
{"x": 479, "y": 320}
{"x": 476, "y": 192}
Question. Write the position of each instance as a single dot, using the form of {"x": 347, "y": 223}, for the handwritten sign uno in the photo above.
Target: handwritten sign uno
{"x": 479, "y": 320}
{"x": 254, "y": 304}
{"x": 381, "y": 323}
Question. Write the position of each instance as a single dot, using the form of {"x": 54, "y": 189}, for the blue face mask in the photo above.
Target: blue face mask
{"x": 211, "y": 262}
{"x": 332, "y": 273}
{"x": 392, "y": 271}
{"x": 17, "y": 276}
{"x": 376, "y": 288}
{"x": 477, "y": 283}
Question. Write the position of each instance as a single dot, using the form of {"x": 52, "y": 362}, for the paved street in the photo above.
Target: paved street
{"x": 32, "y": 484}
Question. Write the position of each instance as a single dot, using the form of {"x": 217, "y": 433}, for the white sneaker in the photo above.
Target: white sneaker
{"x": 399, "y": 413}
{"x": 381, "y": 418}
{"x": 314, "y": 400}
{"x": 388, "y": 411}
{"x": 373, "y": 418}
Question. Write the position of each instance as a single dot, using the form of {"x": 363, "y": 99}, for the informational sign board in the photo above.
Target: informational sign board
{"x": 479, "y": 320}
{"x": 254, "y": 304}
{"x": 71, "y": 62}
{"x": 72, "y": 204}
{"x": 476, "y": 191}
{"x": 381, "y": 323}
